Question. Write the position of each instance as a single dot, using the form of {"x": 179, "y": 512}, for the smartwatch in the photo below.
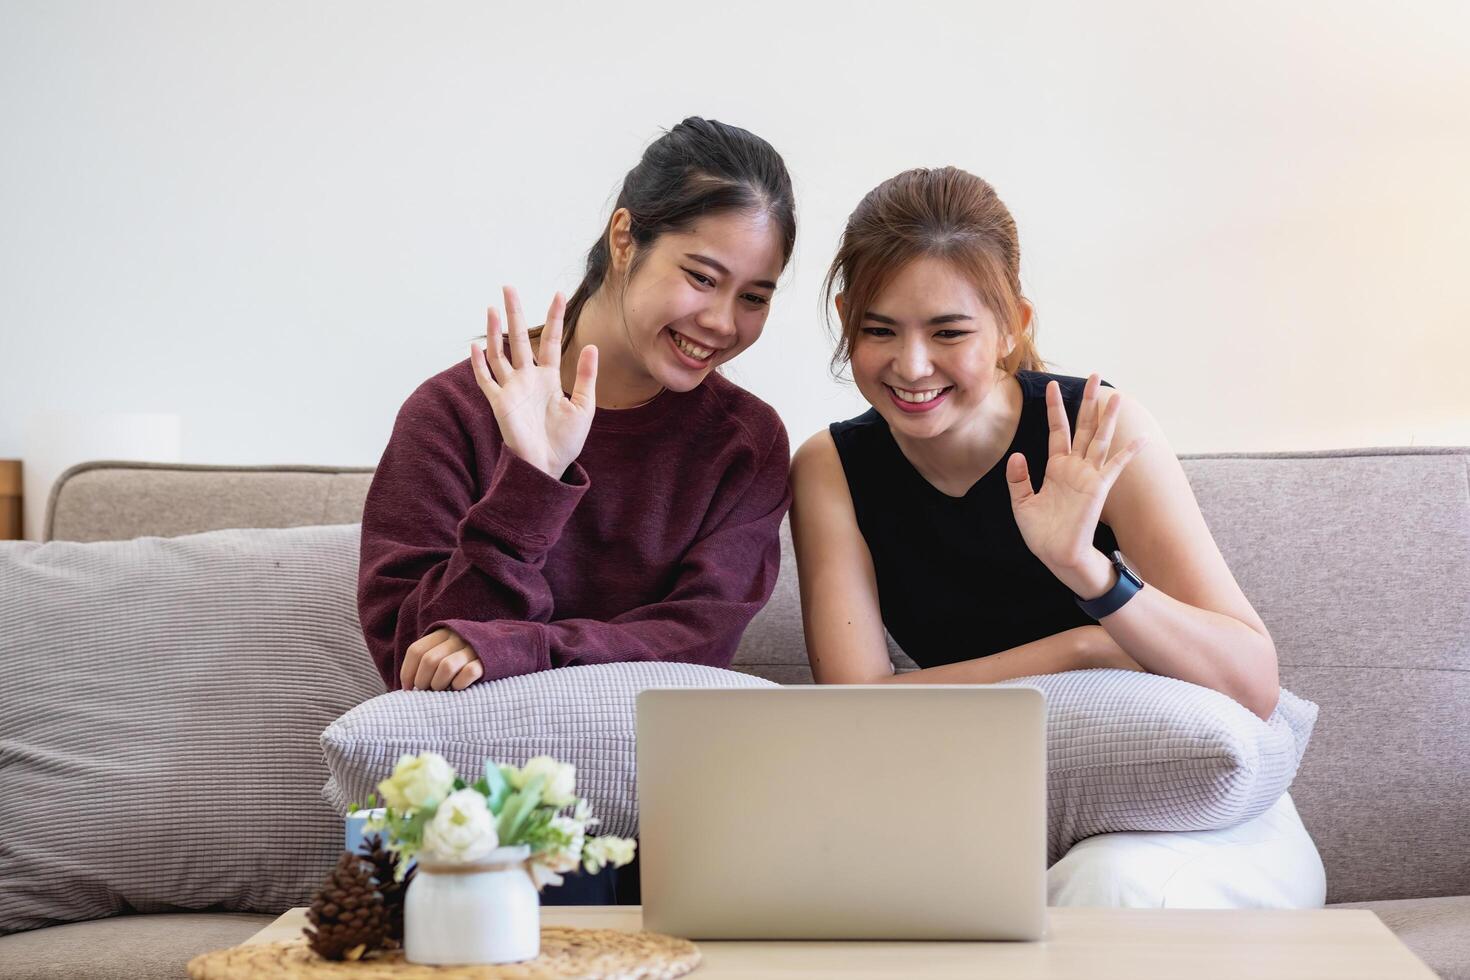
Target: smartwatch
{"x": 1112, "y": 600}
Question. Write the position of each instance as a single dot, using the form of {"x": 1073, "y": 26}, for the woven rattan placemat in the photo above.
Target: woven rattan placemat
{"x": 595, "y": 954}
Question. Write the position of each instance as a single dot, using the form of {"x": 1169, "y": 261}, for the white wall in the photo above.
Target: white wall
{"x": 275, "y": 219}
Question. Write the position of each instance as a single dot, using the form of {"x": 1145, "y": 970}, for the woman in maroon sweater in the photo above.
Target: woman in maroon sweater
{"x": 511, "y": 527}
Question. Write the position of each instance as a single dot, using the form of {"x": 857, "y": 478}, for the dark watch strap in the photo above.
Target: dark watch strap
{"x": 1127, "y": 586}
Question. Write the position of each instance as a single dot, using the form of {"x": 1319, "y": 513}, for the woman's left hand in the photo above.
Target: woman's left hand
{"x": 1058, "y": 521}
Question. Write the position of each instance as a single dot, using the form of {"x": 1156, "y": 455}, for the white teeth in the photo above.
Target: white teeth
{"x": 918, "y": 397}
{"x": 693, "y": 350}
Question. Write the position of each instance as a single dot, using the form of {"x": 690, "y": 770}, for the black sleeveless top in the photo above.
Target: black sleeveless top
{"x": 955, "y": 579}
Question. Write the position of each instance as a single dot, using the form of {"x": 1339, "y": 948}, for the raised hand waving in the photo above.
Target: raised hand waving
{"x": 1058, "y": 521}
{"x": 538, "y": 420}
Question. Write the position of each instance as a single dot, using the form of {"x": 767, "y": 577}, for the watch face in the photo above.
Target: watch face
{"x": 1125, "y": 569}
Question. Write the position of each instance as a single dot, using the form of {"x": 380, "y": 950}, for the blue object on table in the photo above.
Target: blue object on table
{"x": 354, "y": 835}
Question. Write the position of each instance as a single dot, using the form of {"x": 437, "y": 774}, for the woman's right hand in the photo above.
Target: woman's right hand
{"x": 538, "y": 421}
{"x": 438, "y": 661}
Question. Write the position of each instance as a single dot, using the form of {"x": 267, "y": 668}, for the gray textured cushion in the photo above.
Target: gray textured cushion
{"x": 581, "y": 715}
{"x": 159, "y": 720}
{"x": 1126, "y": 751}
{"x": 1388, "y": 772}
{"x": 1131, "y": 751}
{"x": 124, "y": 947}
{"x": 1436, "y": 929}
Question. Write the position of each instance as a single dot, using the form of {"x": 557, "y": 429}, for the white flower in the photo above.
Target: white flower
{"x": 547, "y": 867}
{"x": 567, "y": 857}
{"x": 582, "y": 813}
{"x": 418, "y": 782}
{"x": 462, "y": 829}
{"x": 619, "y": 850}
{"x": 541, "y": 875}
{"x": 560, "y": 787}
{"x": 609, "y": 850}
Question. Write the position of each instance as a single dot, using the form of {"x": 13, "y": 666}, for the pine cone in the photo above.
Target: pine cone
{"x": 347, "y": 911}
{"x": 384, "y": 863}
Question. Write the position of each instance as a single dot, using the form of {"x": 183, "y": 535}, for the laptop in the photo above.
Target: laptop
{"x": 843, "y": 812}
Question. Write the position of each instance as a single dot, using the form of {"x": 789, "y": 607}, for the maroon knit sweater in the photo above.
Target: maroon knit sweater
{"x": 659, "y": 543}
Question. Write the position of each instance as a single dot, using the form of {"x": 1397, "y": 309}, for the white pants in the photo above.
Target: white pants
{"x": 1269, "y": 862}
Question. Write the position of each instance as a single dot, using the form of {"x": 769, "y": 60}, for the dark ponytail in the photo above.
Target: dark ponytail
{"x": 697, "y": 169}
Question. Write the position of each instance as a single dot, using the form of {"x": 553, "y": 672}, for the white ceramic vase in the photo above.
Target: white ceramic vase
{"x": 487, "y": 911}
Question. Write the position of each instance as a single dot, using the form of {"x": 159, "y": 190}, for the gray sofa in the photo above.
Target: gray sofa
{"x": 1359, "y": 561}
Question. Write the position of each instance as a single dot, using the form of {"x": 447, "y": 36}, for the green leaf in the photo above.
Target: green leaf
{"x": 497, "y": 787}
{"x": 540, "y": 834}
{"x": 371, "y": 803}
{"x": 518, "y": 808}
{"x": 458, "y": 784}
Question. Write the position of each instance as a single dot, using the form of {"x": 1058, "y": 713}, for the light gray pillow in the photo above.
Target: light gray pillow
{"x": 1125, "y": 751}
{"x": 1133, "y": 751}
{"x": 159, "y": 713}
{"x": 581, "y": 715}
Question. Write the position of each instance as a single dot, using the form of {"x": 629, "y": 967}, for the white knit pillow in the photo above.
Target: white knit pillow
{"x": 581, "y": 715}
{"x": 1133, "y": 751}
{"x": 159, "y": 715}
{"x": 1125, "y": 751}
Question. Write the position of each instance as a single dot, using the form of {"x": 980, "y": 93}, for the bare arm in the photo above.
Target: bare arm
{"x": 839, "y": 596}
{"x": 1191, "y": 621}
{"x": 1081, "y": 648}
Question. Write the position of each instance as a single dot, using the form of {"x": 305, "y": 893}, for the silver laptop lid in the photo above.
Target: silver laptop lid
{"x": 844, "y": 812}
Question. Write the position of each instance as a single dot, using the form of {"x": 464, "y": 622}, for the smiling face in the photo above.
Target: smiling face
{"x": 697, "y": 298}
{"x": 926, "y": 352}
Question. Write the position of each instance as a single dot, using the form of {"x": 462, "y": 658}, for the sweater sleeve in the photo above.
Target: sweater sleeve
{"x": 438, "y": 552}
{"x": 723, "y": 581}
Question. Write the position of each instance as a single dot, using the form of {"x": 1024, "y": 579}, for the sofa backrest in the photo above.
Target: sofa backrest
{"x": 115, "y": 501}
{"x": 1358, "y": 561}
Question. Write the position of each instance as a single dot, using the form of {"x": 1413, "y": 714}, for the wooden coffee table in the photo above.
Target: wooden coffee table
{"x": 1136, "y": 944}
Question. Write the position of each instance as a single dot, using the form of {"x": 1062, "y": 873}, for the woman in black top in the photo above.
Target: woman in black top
{"x": 981, "y": 509}
{"x": 956, "y": 580}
